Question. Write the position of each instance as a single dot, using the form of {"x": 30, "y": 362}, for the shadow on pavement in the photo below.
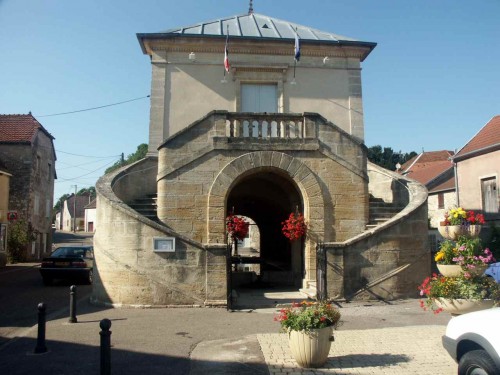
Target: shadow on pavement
{"x": 76, "y": 359}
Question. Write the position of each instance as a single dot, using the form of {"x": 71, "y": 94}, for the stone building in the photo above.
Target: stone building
{"x": 27, "y": 151}
{"x": 477, "y": 166}
{"x": 4, "y": 210}
{"x": 73, "y": 212}
{"x": 268, "y": 137}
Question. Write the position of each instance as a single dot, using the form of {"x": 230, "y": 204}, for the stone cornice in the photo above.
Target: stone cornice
{"x": 252, "y": 48}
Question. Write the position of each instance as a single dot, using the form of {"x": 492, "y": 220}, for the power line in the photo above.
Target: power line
{"x": 89, "y": 156}
{"x": 93, "y": 108}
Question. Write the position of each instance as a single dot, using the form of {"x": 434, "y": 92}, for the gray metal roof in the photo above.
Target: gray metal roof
{"x": 256, "y": 26}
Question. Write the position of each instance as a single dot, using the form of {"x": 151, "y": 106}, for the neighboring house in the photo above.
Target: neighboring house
{"x": 263, "y": 139}
{"x": 58, "y": 220}
{"x": 478, "y": 170}
{"x": 90, "y": 216}
{"x": 27, "y": 151}
{"x": 4, "y": 210}
{"x": 434, "y": 170}
{"x": 73, "y": 213}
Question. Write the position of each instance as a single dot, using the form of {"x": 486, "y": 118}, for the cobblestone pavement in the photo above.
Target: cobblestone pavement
{"x": 395, "y": 350}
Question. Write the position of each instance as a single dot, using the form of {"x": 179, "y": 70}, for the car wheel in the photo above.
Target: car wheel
{"x": 47, "y": 281}
{"x": 477, "y": 362}
{"x": 90, "y": 277}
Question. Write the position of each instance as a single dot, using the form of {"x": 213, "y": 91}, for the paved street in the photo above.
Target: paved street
{"x": 376, "y": 337}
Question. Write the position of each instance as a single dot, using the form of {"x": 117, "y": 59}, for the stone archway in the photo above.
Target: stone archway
{"x": 288, "y": 166}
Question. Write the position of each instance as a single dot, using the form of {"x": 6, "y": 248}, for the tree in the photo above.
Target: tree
{"x": 387, "y": 158}
{"x": 87, "y": 191}
{"x": 139, "y": 154}
{"x": 60, "y": 202}
{"x": 20, "y": 235}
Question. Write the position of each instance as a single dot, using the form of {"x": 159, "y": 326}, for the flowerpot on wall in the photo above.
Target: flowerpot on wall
{"x": 310, "y": 349}
{"x": 452, "y": 232}
{"x": 454, "y": 270}
{"x": 449, "y": 270}
{"x": 463, "y": 306}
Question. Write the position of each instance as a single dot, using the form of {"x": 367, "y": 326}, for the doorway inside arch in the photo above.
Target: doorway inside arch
{"x": 266, "y": 260}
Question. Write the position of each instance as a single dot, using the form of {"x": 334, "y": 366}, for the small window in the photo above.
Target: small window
{"x": 440, "y": 200}
{"x": 164, "y": 245}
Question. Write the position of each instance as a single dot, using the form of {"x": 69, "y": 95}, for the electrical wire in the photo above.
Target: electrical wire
{"x": 89, "y": 156}
{"x": 93, "y": 108}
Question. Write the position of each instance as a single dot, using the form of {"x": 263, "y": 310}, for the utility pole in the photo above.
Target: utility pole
{"x": 74, "y": 211}
{"x": 123, "y": 159}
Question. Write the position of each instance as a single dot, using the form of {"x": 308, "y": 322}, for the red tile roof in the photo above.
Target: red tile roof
{"x": 20, "y": 128}
{"x": 446, "y": 185}
{"x": 488, "y": 136}
{"x": 426, "y": 166}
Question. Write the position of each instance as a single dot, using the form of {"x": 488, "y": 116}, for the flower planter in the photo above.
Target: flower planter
{"x": 454, "y": 270}
{"x": 449, "y": 270}
{"x": 463, "y": 306}
{"x": 452, "y": 232}
{"x": 311, "y": 349}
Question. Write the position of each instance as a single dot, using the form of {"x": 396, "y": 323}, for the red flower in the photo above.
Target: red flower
{"x": 294, "y": 227}
{"x": 237, "y": 227}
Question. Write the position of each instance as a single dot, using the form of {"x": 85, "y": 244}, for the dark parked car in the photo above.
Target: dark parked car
{"x": 68, "y": 262}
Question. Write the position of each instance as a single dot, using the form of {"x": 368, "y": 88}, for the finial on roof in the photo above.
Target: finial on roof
{"x": 250, "y": 8}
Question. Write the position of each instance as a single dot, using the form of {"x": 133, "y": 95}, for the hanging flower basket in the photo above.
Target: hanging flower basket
{"x": 236, "y": 227}
{"x": 294, "y": 227}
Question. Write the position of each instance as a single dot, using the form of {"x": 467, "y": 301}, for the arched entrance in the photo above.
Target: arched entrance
{"x": 267, "y": 196}
{"x": 284, "y": 173}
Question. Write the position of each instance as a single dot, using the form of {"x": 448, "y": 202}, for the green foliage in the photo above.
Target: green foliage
{"x": 139, "y": 154}
{"x": 306, "y": 316}
{"x": 387, "y": 158}
{"x": 20, "y": 235}
{"x": 462, "y": 287}
{"x": 87, "y": 191}
{"x": 59, "y": 204}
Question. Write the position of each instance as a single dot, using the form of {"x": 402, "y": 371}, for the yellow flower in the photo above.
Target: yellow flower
{"x": 439, "y": 256}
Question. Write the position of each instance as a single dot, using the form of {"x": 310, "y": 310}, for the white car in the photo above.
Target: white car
{"x": 473, "y": 341}
{"x": 494, "y": 271}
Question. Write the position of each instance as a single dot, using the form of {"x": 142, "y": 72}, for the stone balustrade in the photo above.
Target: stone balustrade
{"x": 264, "y": 126}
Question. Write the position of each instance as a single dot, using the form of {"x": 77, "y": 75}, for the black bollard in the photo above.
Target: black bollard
{"x": 105, "y": 325}
{"x": 40, "y": 341}
{"x": 72, "y": 304}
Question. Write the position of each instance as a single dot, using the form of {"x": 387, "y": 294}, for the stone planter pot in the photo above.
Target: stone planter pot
{"x": 452, "y": 232}
{"x": 463, "y": 306}
{"x": 449, "y": 270}
{"x": 311, "y": 349}
{"x": 454, "y": 270}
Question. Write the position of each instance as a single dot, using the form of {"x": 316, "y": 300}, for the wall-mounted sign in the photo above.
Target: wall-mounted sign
{"x": 164, "y": 244}
{"x": 12, "y": 215}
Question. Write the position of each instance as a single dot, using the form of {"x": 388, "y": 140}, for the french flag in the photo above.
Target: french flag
{"x": 297, "y": 47}
{"x": 226, "y": 54}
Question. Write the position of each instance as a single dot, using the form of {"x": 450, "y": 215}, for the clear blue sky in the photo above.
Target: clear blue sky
{"x": 431, "y": 83}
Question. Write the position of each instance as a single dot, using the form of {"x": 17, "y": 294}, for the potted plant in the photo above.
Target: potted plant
{"x": 465, "y": 255}
{"x": 310, "y": 327}
{"x": 459, "y": 295}
{"x": 237, "y": 230}
{"x": 459, "y": 222}
{"x": 294, "y": 227}
{"x": 237, "y": 227}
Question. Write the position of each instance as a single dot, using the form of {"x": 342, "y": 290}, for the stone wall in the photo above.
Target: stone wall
{"x": 390, "y": 261}
{"x": 127, "y": 269}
